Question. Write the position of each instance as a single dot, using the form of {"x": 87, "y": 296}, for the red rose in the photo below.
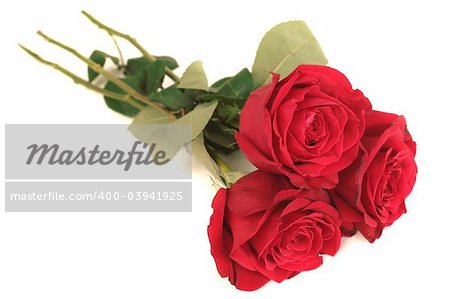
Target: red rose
{"x": 262, "y": 229}
{"x": 306, "y": 126}
{"x": 371, "y": 192}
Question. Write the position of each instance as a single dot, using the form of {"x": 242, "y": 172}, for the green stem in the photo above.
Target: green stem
{"x": 78, "y": 80}
{"x": 131, "y": 40}
{"x": 121, "y": 60}
{"x": 99, "y": 69}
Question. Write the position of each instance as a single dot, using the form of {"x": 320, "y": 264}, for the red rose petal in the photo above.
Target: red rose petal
{"x": 220, "y": 240}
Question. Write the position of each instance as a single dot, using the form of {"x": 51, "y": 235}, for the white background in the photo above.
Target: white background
{"x": 397, "y": 52}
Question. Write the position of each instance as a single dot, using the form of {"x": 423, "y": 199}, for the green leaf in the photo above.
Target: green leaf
{"x": 177, "y": 133}
{"x": 138, "y": 81}
{"x": 150, "y": 115}
{"x": 154, "y": 75}
{"x": 232, "y": 91}
{"x": 199, "y": 117}
{"x": 239, "y": 102}
{"x": 218, "y": 85}
{"x": 219, "y": 177}
{"x": 197, "y": 120}
{"x": 283, "y": 48}
{"x": 150, "y": 126}
{"x": 199, "y": 151}
{"x": 99, "y": 57}
{"x": 136, "y": 65}
{"x": 147, "y": 76}
{"x": 228, "y": 112}
{"x": 238, "y": 86}
{"x": 194, "y": 77}
{"x": 119, "y": 106}
{"x": 234, "y": 124}
{"x": 170, "y": 62}
{"x": 195, "y": 95}
{"x": 221, "y": 136}
{"x": 173, "y": 98}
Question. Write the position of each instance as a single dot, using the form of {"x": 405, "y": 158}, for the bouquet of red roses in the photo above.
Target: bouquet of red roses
{"x": 328, "y": 165}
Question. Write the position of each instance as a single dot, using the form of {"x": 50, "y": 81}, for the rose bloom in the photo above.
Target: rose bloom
{"x": 262, "y": 229}
{"x": 306, "y": 126}
{"x": 371, "y": 192}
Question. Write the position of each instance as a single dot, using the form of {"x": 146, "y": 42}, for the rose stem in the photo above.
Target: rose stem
{"x": 133, "y": 41}
{"x": 121, "y": 60}
{"x": 97, "y": 68}
{"x": 78, "y": 80}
